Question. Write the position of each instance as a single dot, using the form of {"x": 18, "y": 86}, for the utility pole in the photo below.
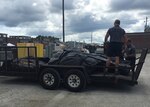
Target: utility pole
{"x": 91, "y": 37}
{"x": 146, "y": 22}
{"x": 63, "y": 20}
{"x": 145, "y": 29}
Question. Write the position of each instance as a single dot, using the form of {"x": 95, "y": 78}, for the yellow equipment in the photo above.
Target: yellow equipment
{"x": 23, "y": 52}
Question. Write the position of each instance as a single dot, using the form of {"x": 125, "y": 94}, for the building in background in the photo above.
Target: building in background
{"x": 28, "y": 39}
{"x": 46, "y": 40}
{"x": 19, "y": 39}
{"x": 3, "y": 39}
{"x": 74, "y": 44}
{"x": 140, "y": 39}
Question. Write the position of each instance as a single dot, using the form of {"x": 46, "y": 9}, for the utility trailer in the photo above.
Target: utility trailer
{"x": 74, "y": 69}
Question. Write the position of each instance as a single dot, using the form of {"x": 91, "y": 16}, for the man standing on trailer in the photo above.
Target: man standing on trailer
{"x": 117, "y": 39}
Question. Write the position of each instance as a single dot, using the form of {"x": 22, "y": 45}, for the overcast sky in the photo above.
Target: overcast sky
{"x": 82, "y": 17}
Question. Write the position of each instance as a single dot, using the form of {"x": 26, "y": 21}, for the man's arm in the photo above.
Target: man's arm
{"x": 106, "y": 37}
{"x": 125, "y": 39}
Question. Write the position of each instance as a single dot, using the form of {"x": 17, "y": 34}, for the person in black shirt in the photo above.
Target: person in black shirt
{"x": 117, "y": 39}
{"x": 130, "y": 53}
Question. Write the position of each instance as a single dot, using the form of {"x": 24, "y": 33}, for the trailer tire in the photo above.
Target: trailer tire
{"x": 49, "y": 79}
{"x": 75, "y": 80}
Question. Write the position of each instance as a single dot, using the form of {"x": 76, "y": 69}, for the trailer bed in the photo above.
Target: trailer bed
{"x": 31, "y": 66}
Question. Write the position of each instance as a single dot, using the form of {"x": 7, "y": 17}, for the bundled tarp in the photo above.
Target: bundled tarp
{"x": 92, "y": 62}
{"x": 71, "y": 57}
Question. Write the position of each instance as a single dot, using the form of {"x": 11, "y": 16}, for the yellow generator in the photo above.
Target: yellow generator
{"x": 23, "y": 52}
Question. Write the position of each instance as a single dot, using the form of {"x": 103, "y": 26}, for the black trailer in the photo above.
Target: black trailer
{"x": 75, "y": 70}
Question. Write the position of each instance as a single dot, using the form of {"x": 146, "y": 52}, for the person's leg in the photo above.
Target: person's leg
{"x": 107, "y": 64}
{"x": 109, "y": 54}
{"x": 117, "y": 61}
{"x": 116, "y": 64}
{"x": 118, "y": 53}
{"x": 116, "y": 68}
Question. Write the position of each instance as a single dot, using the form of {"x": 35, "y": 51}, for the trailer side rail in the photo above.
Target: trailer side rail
{"x": 140, "y": 63}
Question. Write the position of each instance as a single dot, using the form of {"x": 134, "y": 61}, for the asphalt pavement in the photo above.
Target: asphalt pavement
{"x": 18, "y": 92}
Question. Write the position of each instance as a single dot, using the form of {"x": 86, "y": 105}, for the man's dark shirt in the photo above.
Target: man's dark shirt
{"x": 131, "y": 55}
{"x": 116, "y": 34}
{"x": 130, "y": 50}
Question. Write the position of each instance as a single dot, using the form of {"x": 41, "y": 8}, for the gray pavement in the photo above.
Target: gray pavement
{"x": 16, "y": 92}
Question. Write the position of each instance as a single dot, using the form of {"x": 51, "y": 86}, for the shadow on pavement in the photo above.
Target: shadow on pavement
{"x": 93, "y": 87}
{"x": 18, "y": 81}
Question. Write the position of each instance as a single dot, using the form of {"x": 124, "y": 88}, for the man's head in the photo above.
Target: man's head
{"x": 129, "y": 42}
{"x": 117, "y": 22}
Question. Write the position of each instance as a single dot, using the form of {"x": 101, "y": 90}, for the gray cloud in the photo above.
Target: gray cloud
{"x": 40, "y": 32}
{"x": 145, "y": 13}
{"x": 44, "y": 32}
{"x": 119, "y": 5}
{"x": 86, "y": 23}
{"x": 127, "y": 20}
{"x": 14, "y": 12}
{"x": 81, "y": 3}
{"x": 37, "y": 16}
{"x": 85, "y": 36}
{"x": 56, "y": 5}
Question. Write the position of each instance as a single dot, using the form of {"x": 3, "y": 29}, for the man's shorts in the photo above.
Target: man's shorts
{"x": 115, "y": 49}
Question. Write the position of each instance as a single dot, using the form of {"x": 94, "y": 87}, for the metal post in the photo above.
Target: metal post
{"x": 145, "y": 30}
{"x": 146, "y": 22}
{"x": 6, "y": 40}
{"x": 36, "y": 59}
{"x": 91, "y": 37}
{"x": 28, "y": 57}
{"x": 63, "y": 16}
{"x": 5, "y": 49}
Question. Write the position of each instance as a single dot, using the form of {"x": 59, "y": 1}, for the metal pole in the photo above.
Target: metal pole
{"x": 91, "y": 37}
{"x": 63, "y": 11}
{"x": 146, "y": 22}
{"x": 145, "y": 30}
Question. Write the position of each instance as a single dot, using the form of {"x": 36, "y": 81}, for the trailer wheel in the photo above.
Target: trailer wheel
{"x": 49, "y": 79}
{"x": 75, "y": 80}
